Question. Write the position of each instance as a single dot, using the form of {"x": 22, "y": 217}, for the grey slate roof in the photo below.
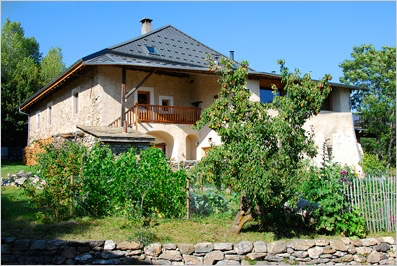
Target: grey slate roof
{"x": 175, "y": 49}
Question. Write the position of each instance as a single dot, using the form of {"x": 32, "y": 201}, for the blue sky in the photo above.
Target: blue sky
{"x": 311, "y": 36}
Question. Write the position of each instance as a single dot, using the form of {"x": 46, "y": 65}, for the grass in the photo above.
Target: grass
{"x": 20, "y": 220}
{"x": 13, "y": 167}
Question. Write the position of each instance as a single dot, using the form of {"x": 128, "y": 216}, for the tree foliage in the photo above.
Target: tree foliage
{"x": 23, "y": 72}
{"x": 261, "y": 154}
{"x": 375, "y": 70}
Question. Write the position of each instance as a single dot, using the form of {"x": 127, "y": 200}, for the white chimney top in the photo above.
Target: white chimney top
{"x": 146, "y": 25}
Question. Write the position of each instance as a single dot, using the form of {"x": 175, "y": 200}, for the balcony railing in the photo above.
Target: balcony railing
{"x": 159, "y": 114}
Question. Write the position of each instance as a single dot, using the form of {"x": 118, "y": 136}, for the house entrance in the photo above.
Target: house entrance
{"x": 144, "y": 98}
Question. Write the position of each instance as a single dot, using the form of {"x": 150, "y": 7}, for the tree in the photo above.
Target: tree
{"x": 23, "y": 72}
{"x": 52, "y": 65}
{"x": 20, "y": 59}
{"x": 261, "y": 155}
{"x": 376, "y": 71}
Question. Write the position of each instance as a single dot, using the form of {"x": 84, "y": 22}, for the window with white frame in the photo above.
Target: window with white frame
{"x": 166, "y": 101}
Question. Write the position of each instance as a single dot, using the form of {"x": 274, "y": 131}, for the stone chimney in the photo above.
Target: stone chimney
{"x": 146, "y": 25}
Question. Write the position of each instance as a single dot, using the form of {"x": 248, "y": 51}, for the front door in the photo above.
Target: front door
{"x": 144, "y": 112}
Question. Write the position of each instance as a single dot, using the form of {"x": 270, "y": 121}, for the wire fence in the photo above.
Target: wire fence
{"x": 376, "y": 199}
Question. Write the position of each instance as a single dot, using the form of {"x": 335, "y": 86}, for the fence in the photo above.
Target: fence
{"x": 376, "y": 199}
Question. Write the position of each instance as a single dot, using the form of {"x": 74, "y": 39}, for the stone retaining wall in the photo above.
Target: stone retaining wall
{"x": 379, "y": 251}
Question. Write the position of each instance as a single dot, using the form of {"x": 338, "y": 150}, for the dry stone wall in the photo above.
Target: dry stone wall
{"x": 345, "y": 251}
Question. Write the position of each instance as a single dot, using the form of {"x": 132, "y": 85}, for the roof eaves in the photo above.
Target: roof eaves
{"x": 50, "y": 86}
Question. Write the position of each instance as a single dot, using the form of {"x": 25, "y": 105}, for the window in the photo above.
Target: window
{"x": 75, "y": 101}
{"x": 266, "y": 95}
{"x": 326, "y": 106}
{"x": 152, "y": 50}
{"x": 49, "y": 113}
{"x": 166, "y": 101}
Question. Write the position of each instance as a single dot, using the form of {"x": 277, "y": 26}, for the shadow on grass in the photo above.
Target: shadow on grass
{"x": 282, "y": 225}
{"x": 19, "y": 219}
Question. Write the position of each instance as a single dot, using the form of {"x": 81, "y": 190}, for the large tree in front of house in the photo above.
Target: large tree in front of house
{"x": 375, "y": 70}
{"x": 261, "y": 154}
{"x": 23, "y": 72}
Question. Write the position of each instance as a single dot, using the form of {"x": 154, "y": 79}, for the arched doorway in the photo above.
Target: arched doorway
{"x": 163, "y": 141}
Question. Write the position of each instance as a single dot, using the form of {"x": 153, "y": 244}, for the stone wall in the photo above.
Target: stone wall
{"x": 379, "y": 251}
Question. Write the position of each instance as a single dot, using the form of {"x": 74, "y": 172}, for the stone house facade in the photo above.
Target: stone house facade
{"x": 156, "y": 85}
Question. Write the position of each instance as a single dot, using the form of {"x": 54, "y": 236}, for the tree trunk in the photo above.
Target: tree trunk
{"x": 242, "y": 217}
{"x": 240, "y": 220}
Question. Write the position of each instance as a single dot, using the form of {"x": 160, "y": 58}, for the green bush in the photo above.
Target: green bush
{"x": 96, "y": 183}
{"x": 333, "y": 214}
{"x": 59, "y": 167}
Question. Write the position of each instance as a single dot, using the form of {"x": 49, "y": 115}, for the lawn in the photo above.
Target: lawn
{"x": 19, "y": 219}
{"x": 13, "y": 167}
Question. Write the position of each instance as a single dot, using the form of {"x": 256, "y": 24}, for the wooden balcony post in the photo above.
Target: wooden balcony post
{"x": 122, "y": 101}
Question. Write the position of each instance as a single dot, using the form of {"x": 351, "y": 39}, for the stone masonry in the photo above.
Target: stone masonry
{"x": 345, "y": 251}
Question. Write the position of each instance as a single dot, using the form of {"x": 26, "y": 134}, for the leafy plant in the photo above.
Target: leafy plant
{"x": 333, "y": 214}
{"x": 261, "y": 155}
{"x": 59, "y": 168}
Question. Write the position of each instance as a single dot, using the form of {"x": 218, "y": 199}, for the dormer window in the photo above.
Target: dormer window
{"x": 152, "y": 50}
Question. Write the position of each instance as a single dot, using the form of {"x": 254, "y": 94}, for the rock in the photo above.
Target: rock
{"x": 359, "y": 258}
{"x": 134, "y": 252}
{"x": 322, "y": 242}
{"x": 153, "y": 250}
{"x": 212, "y": 257}
{"x": 387, "y": 239}
{"x": 234, "y": 257}
{"x": 109, "y": 245}
{"x": 112, "y": 254}
{"x": 383, "y": 247}
{"x": 300, "y": 254}
{"x": 315, "y": 252}
{"x": 346, "y": 258}
{"x": 203, "y": 248}
{"x": 256, "y": 256}
{"x": 125, "y": 245}
{"x": 161, "y": 262}
{"x": 351, "y": 249}
{"x": 171, "y": 255}
{"x": 228, "y": 262}
{"x": 69, "y": 252}
{"x": 21, "y": 244}
{"x": 374, "y": 257}
{"x": 106, "y": 262}
{"x": 363, "y": 250}
{"x": 260, "y": 247}
{"x": 192, "y": 260}
{"x": 223, "y": 246}
{"x": 169, "y": 246}
{"x": 55, "y": 244}
{"x": 366, "y": 242}
{"x": 356, "y": 242}
{"x": 84, "y": 258}
{"x": 38, "y": 244}
{"x": 276, "y": 247}
{"x": 302, "y": 244}
{"x": 243, "y": 247}
{"x": 273, "y": 258}
{"x": 187, "y": 249}
{"x": 338, "y": 245}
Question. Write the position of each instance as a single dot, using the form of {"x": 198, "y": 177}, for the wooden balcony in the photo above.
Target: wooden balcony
{"x": 159, "y": 114}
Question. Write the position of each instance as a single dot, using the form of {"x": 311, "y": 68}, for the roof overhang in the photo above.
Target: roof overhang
{"x": 53, "y": 85}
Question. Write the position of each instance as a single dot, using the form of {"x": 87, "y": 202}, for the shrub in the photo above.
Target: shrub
{"x": 333, "y": 214}
{"x": 59, "y": 168}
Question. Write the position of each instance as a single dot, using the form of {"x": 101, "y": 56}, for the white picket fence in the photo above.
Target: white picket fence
{"x": 376, "y": 199}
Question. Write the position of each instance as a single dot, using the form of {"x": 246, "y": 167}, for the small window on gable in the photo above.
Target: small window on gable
{"x": 152, "y": 50}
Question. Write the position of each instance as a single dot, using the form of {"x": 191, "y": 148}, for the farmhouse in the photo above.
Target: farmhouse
{"x": 150, "y": 91}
